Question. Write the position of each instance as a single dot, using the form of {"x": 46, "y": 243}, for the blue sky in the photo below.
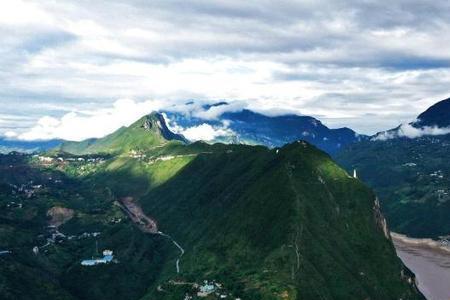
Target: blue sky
{"x": 69, "y": 66}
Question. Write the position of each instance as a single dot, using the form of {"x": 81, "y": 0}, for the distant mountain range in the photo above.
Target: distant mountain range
{"x": 8, "y": 145}
{"x": 408, "y": 167}
{"x": 243, "y": 126}
{"x": 249, "y": 127}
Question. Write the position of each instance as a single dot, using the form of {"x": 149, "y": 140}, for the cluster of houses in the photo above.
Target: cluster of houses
{"x": 443, "y": 195}
{"x": 136, "y": 154}
{"x": 84, "y": 164}
{"x": 206, "y": 289}
{"x": 153, "y": 159}
{"x": 14, "y": 204}
{"x": 167, "y": 157}
{"x": 115, "y": 220}
{"x": 55, "y": 236}
{"x": 44, "y": 159}
{"x": 409, "y": 164}
{"x": 84, "y": 235}
{"x": 28, "y": 190}
{"x": 213, "y": 288}
{"x": 437, "y": 174}
{"x": 49, "y": 160}
{"x": 24, "y": 190}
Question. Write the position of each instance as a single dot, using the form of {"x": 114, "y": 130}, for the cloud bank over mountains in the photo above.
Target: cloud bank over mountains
{"x": 204, "y": 132}
{"x": 76, "y": 126}
{"x": 79, "y": 125}
{"x": 363, "y": 64}
{"x": 409, "y": 131}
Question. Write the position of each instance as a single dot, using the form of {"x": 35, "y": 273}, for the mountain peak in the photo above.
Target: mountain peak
{"x": 149, "y": 131}
{"x": 436, "y": 115}
{"x": 155, "y": 122}
{"x": 151, "y": 122}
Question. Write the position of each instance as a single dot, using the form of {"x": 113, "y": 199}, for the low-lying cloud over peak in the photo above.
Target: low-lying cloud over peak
{"x": 207, "y": 109}
{"x": 409, "y": 131}
{"x": 205, "y": 132}
{"x": 77, "y": 126}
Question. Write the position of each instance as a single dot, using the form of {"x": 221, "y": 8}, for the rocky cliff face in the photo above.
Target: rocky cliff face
{"x": 380, "y": 220}
{"x": 155, "y": 123}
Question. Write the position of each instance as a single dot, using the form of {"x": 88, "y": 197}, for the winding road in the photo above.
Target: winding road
{"x": 177, "y": 264}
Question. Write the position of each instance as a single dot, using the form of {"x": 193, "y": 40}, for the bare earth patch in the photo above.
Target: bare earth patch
{"x": 134, "y": 211}
{"x": 59, "y": 215}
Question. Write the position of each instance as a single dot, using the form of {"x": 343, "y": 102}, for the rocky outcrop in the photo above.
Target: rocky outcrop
{"x": 380, "y": 220}
{"x": 155, "y": 122}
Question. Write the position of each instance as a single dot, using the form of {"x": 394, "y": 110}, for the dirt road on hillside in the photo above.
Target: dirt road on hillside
{"x": 137, "y": 215}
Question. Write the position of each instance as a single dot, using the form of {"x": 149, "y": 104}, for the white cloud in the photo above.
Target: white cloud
{"x": 10, "y": 134}
{"x": 407, "y": 130}
{"x": 78, "y": 126}
{"x": 336, "y": 60}
{"x": 216, "y": 111}
{"x": 22, "y": 13}
{"x": 411, "y": 132}
{"x": 205, "y": 132}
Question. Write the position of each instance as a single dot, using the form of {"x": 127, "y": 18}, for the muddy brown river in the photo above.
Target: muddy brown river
{"x": 430, "y": 264}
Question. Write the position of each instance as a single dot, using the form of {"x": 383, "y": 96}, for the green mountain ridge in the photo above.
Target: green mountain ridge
{"x": 284, "y": 223}
{"x": 280, "y": 222}
{"x": 149, "y": 131}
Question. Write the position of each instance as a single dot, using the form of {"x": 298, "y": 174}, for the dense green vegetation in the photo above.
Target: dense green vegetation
{"x": 285, "y": 223}
{"x": 411, "y": 176}
{"x": 244, "y": 217}
{"x": 55, "y": 272}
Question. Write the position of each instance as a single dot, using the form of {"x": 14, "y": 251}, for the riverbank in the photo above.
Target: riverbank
{"x": 427, "y": 243}
{"x": 430, "y": 262}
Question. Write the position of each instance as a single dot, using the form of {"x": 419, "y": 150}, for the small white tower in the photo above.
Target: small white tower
{"x": 354, "y": 174}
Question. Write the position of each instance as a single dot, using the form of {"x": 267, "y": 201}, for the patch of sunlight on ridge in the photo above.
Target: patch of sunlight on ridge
{"x": 163, "y": 170}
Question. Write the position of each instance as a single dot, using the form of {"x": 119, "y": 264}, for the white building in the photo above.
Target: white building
{"x": 107, "y": 258}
